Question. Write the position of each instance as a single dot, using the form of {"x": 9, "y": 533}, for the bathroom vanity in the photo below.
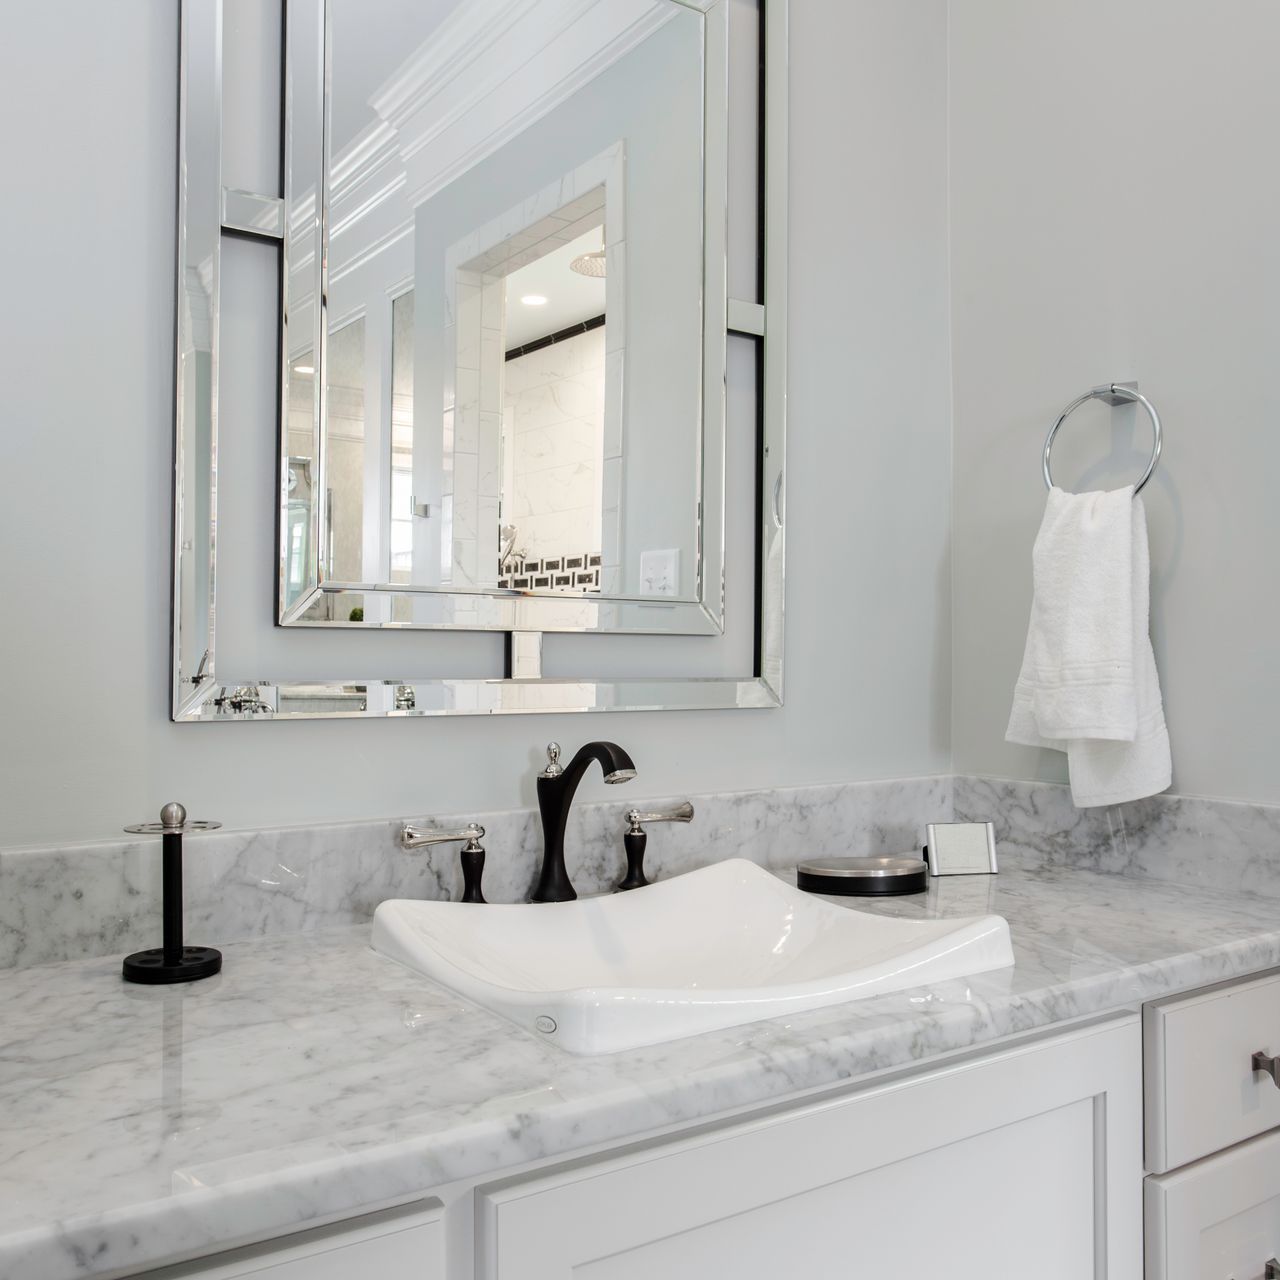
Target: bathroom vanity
{"x": 319, "y": 1111}
{"x": 1016, "y": 1162}
{"x": 478, "y": 400}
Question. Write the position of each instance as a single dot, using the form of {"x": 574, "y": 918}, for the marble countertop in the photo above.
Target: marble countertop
{"x": 313, "y": 1077}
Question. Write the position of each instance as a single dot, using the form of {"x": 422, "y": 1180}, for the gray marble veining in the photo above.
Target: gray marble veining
{"x": 103, "y": 899}
{"x": 313, "y": 1077}
{"x": 1180, "y": 839}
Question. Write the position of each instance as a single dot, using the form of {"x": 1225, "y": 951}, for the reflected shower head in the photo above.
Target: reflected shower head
{"x": 589, "y": 264}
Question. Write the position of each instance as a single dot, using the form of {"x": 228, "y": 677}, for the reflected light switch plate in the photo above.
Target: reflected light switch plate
{"x": 659, "y": 572}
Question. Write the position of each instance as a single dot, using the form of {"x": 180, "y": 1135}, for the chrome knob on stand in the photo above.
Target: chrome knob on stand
{"x": 174, "y": 961}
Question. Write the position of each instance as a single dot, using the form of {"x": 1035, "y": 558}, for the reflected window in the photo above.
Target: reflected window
{"x": 402, "y": 438}
{"x": 344, "y": 499}
{"x": 401, "y": 524}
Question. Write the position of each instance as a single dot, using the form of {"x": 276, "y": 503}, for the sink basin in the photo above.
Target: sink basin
{"x": 725, "y": 945}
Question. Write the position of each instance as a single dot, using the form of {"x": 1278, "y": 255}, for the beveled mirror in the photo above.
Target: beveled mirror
{"x": 504, "y": 327}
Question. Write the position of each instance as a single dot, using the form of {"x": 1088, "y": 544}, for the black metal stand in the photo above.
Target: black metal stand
{"x": 172, "y": 962}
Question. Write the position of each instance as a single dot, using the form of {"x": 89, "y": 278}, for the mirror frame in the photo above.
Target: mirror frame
{"x": 206, "y": 212}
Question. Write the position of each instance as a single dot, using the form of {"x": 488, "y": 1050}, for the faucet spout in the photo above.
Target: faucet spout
{"x": 556, "y": 786}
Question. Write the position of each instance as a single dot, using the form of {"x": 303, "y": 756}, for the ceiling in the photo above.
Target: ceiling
{"x": 570, "y": 297}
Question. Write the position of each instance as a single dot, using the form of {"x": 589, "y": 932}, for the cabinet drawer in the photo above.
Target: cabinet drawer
{"x": 1219, "y": 1219}
{"x": 1202, "y": 1093}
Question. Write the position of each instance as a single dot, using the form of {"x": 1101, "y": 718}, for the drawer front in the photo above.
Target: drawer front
{"x": 1202, "y": 1093}
{"x": 1219, "y": 1219}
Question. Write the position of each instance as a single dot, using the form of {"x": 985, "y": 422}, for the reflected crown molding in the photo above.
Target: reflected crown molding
{"x": 460, "y": 42}
{"x": 516, "y": 59}
{"x": 491, "y": 70}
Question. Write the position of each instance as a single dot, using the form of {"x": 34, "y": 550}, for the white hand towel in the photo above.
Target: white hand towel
{"x": 1088, "y": 684}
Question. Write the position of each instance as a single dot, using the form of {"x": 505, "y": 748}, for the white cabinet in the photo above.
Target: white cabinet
{"x": 398, "y": 1244}
{"x": 1026, "y": 1162}
{"x": 1218, "y": 1219}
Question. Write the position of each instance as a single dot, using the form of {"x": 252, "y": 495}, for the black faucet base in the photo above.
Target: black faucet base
{"x": 634, "y": 842}
{"x": 554, "y": 884}
{"x": 472, "y": 871}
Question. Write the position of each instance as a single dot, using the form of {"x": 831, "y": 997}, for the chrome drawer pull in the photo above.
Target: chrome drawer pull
{"x": 1261, "y": 1062}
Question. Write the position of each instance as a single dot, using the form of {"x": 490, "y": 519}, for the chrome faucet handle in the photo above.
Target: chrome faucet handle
{"x": 553, "y": 767}
{"x": 412, "y": 837}
{"x": 636, "y": 819}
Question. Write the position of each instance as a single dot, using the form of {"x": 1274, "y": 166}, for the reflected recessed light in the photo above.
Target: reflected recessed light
{"x": 304, "y": 368}
{"x": 534, "y": 300}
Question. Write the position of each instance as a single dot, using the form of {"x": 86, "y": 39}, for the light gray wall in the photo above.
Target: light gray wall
{"x": 87, "y": 337}
{"x": 1115, "y": 201}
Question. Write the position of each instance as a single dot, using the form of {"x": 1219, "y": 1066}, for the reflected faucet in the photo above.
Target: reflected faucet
{"x": 556, "y": 785}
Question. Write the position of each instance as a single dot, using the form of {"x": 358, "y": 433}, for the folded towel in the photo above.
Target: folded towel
{"x": 1088, "y": 684}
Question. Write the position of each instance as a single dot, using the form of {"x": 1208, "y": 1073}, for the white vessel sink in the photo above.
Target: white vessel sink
{"x": 725, "y": 945}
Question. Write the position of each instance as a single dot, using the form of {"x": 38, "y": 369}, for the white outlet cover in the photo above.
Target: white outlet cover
{"x": 660, "y": 572}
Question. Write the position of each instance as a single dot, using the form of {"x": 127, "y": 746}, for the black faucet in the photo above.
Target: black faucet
{"x": 556, "y": 785}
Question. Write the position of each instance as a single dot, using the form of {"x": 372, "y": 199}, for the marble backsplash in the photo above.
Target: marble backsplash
{"x": 1187, "y": 840}
{"x": 103, "y": 899}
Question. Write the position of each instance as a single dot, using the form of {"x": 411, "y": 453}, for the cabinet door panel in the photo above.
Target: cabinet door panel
{"x": 970, "y": 1203}
{"x": 1025, "y": 1162}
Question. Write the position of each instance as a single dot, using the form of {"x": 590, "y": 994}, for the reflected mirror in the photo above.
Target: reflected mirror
{"x": 505, "y": 317}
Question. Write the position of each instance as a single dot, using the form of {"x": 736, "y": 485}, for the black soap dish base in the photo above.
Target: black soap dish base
{"x": 864, "y": 877}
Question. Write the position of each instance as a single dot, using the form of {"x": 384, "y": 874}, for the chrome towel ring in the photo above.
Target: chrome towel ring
{"x": 1113, "y": 393}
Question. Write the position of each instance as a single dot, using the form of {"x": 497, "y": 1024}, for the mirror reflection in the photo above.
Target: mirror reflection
{"x": 508, "y": 396}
